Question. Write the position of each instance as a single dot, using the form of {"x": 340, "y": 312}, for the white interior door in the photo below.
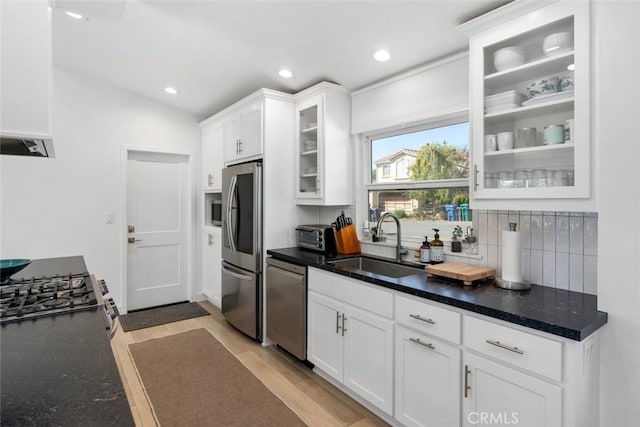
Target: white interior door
{"x": 157, "y": 219}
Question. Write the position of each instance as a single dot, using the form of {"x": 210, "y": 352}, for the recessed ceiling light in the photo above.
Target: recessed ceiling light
{"x": 171, "y": 90}
{"x": 285, "y": 73}
{"x": 381, "y": 55}
{"x": 571, "y": 67}
{"x": 73, "y": 15}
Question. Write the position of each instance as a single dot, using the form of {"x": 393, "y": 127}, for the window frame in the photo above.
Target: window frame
{"x": 431, "y": 123}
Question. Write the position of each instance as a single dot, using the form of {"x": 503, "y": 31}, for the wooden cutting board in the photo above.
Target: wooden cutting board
{"x": 460, "y": 271}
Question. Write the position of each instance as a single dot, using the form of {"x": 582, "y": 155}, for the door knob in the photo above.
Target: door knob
{"x": 133, "y": 240}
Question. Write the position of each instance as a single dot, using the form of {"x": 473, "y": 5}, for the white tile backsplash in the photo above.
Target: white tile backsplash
{"x": 576, "y": 235}
{"x": 590, "y": 236}
{"x": 536, "y": 231}
{"x": 549, "y": 268}
{"x": 549, "y": 232}
{"x": 562, "y": 233}
{"x": 559, "y": 249}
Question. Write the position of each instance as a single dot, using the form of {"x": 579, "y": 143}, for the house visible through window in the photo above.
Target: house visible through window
{"x": 421, "y": 175}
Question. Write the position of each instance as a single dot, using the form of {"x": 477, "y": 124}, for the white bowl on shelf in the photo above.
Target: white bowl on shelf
{"x": 508, "y": 57}
{"x": 557, "y": 42}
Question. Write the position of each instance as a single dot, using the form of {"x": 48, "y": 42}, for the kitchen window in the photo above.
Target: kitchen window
{"x": 422, "y": 175}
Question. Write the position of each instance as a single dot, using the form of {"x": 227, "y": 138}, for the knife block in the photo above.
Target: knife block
{"x": 347, "y": 240}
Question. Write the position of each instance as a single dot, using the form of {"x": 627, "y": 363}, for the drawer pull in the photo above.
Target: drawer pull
{"x": 337, "y": 322}
{"x": 424, "y": 344}
{"x": 506, "y": 347}
{"x": 418, "y": 317}
{"x": 467, "y": 387}
{"x": 343, "y": 327}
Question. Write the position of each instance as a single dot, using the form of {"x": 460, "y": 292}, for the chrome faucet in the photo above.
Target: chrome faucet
{"x": 399, "y": 249}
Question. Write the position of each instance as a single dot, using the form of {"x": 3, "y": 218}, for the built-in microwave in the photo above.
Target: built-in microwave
{"x": 216, "y": 211}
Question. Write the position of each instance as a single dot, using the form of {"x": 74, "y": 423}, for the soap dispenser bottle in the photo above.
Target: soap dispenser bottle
{"x": 424, "y": 250}
{"x": 436, "y": 252}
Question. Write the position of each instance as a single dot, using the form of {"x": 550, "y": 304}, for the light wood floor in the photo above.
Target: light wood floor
{"x": 315, "y": 401}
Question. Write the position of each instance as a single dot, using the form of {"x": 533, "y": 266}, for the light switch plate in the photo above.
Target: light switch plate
{"x": 108, "y": 217}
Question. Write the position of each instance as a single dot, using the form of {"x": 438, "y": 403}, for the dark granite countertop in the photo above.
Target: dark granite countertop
{"x": 559, "y": 312}
{"x": 52, "y": 267}
{"x": 60, "y": 370}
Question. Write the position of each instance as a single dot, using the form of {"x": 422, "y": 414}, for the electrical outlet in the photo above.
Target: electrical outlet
{"x": 108, "y": 217}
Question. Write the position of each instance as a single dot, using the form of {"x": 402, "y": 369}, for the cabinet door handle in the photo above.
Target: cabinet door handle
{"x": 239, "y": 146}
{"x": 210, "y": 179}
{"x": 210, "y": 239}
{"x": 418, "y": 317}
{"x": 475, "y": 177}
{"x": 343, "y": 328}
{"x": 506, "y": 347}
{"x": 337, "y": 322}
{"x": 422, "y": 343}
{"x": 467, "y": 387}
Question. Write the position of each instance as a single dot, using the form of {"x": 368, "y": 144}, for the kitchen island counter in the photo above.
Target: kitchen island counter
{"x": 60, "y": 369}
{"x": 559, "y": 312}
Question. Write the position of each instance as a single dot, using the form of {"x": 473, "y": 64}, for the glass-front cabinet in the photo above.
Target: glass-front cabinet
{"x": 309, "y": 133}
{"x": 530, "y": 108}
{"x": 323, "y": 150}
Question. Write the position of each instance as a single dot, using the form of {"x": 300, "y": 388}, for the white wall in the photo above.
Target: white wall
{"x": 436, "y": 89}
{"x": 617, "y": 104}
{"x": 56, "y": 207}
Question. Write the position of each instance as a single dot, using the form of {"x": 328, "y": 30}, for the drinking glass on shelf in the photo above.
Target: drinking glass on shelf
{"x": 539, "y": 178}
{"x": 490, "y": 180}
{"x": 570, "y": 177}
{"x": 520, "y": 178}
{"x": 557, "y": 178}
{"x": 505, "y": 179}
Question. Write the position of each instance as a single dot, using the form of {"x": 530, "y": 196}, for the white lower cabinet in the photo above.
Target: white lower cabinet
{"x": 325, "y": 346}
{"x": 452, "y": 367}
{"x": 427, "y": 383}
{"x": 350, "y": 343}
{"x": 211, "y": 267}
{"x": 498, "y": 395}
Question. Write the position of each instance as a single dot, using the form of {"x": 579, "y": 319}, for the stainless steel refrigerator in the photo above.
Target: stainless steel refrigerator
{"x": 242, "y": 247}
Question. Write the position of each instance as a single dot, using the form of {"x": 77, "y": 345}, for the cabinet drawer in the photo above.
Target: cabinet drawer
{"x": 521, "y": 349}
{"x": 428, "y": 318}
{"x": 351, "y": 291}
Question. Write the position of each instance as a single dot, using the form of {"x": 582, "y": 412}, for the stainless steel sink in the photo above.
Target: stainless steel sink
{"x": 375, "y": 266}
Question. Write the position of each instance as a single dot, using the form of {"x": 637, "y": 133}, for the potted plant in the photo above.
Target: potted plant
{"x": 374, "y": 234}
{"x": 456, "y": 245}
{"x": 471, "y": 241}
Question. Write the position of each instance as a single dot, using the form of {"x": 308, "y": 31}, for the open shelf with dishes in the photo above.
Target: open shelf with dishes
{"x": 530, "y": 102}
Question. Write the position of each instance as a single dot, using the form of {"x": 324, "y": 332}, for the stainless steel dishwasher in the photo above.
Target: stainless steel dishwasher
{"x": 286, "y": 294}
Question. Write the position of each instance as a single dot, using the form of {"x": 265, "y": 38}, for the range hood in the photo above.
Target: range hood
{"x": 21, "y": 146}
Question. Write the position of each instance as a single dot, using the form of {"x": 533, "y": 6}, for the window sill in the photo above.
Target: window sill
{"x": 411, "y": 246}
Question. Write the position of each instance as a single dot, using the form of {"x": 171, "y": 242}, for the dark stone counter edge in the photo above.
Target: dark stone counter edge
{"x": 317, "y": 260}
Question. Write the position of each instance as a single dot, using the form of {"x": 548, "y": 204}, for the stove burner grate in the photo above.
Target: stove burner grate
{"x": 36, "y": 297}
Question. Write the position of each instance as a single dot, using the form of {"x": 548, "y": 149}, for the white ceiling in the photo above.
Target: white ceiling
{"x": 216, "y": 52}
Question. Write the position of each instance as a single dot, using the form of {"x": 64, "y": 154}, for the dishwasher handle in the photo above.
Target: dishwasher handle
{"x": 294, "y": 275}
{"x": 300, "y": 270}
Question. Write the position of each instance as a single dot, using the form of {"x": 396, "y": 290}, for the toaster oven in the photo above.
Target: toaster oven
{"x": 316, "y": 237}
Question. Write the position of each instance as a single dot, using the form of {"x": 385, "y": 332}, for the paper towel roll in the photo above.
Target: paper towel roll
{"x": 511, "y": 256}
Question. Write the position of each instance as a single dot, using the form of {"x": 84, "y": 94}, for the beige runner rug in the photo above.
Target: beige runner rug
{"x": 191, "y": 379}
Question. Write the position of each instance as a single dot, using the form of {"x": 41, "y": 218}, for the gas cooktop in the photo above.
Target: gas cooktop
{"x": 37, "y": 297}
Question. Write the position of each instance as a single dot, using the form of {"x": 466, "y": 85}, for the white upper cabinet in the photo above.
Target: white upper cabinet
{"x": 25, "y": 81}
{"x": 530, "y": 109}
{"x": 323, "y": 148}
{"x": 212, "y": 156}
{"x": 243, "y": 134}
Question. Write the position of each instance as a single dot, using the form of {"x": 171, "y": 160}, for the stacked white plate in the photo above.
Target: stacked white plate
{"x": 503, "y": 101}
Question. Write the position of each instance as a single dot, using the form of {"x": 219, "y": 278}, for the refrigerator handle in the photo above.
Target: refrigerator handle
{"x": 230, "y": 226}
{"x": 232, "y": 273}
